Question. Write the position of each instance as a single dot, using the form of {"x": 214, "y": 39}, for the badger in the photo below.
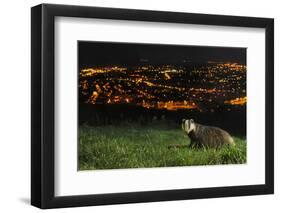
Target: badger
{"x": 206, "y": 136}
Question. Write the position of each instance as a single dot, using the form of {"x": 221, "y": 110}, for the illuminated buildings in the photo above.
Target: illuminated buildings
{"x": 170, "y": 87}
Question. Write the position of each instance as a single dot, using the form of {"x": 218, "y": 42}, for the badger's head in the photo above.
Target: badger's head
{"x": 188, "y": 125}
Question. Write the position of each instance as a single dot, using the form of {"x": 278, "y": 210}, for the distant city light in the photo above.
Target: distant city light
{"x": 170, "y": 87}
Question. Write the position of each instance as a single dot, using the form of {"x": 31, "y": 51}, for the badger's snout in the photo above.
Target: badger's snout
{"x": 183, "y": 124}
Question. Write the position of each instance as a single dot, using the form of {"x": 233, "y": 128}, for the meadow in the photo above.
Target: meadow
{"x": 136, "y": 146}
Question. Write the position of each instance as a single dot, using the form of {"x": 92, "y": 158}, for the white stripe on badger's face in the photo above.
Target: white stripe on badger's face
{"x": 189, "y": 125}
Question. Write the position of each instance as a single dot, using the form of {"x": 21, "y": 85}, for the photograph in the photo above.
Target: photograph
{"x": 160, "y": 105}
{"x": 147, "y": 105}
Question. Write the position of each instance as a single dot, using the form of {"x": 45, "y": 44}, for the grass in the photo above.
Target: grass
{"x": 128, "y": 146}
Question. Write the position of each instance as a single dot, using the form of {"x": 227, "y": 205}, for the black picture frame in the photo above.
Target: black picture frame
{"x": 43, "y": 117}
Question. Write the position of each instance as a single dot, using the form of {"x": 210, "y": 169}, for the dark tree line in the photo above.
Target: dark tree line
{"x": 231, "y": 119}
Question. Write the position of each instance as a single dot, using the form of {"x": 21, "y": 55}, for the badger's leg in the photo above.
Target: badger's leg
{"x": 191, "y": 145}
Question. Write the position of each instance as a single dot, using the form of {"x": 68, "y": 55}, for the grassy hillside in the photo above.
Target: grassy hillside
{"x": 129, "y": 146}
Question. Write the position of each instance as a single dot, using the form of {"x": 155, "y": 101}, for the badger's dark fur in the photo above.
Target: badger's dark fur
{"x": 206, "y": 136}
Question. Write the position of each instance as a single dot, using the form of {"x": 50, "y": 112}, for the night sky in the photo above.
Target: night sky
{"x": 113, "y": 53}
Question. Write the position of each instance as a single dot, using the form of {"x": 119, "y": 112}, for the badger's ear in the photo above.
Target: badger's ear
{"x": 191, "y": 121}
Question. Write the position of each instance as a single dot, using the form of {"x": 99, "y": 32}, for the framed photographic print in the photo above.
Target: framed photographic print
{"x": 139, "y": 106}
